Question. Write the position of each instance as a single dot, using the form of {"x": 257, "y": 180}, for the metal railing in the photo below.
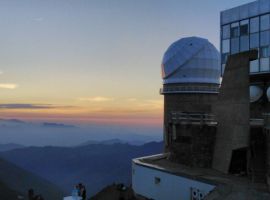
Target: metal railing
{"x": 202, "y": 118}
{"x": 208, "y": 118}
{"x": 189, "y": 89}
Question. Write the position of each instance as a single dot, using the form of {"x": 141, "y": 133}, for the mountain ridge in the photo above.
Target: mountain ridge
{"x": 113, "y": 141}
{"x": 21, "y": 180}
{"x": 10, "y": 146}
{"x": 95, "y": 165}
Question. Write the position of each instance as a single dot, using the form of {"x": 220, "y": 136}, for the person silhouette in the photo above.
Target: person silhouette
{"x": 83, "y": 192}
{"x": 31, "y": 194}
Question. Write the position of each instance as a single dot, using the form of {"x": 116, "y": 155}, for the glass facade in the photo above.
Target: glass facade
{"x": 254, "y": 40}
{"x": 243, "y": 35}
{"x": 254, "y": 66}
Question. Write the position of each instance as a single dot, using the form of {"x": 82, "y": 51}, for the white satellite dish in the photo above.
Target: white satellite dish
{"x": 255, "y": 93}
{"x": 268, "y": 93}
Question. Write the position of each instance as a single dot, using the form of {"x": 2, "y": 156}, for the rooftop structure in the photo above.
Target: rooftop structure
{"x": 190, "y": 65}
{"x": 191, "y": 60}
{"x": 244, "y": 28}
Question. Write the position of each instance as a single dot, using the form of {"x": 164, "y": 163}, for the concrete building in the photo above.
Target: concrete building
{"x": 216, "y": 136}
{"x": 245, "y": 28}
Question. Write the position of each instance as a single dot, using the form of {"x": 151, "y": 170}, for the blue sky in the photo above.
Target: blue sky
{"x": 94, "y": 58}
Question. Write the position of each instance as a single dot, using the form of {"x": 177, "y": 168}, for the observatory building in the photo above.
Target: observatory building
{"x": 191, "y": 79}
{"x": 216, "y": 135}
{"x": 216, "y": 115}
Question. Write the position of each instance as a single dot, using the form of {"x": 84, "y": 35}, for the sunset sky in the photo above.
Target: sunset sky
{"x": 84, "y": 61}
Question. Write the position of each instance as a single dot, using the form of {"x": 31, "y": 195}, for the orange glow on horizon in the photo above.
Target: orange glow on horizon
{"x": 151, "y": 116}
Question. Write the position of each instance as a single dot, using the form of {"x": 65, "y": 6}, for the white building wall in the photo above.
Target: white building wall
{"x": 170, "y": 187}
{"x": 72, "y": 198}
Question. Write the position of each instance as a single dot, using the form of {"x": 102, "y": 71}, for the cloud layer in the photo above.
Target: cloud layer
{"x": 8, "y": 85}
{"x": 96, "y": 99}
{"x": 29, "y": 106}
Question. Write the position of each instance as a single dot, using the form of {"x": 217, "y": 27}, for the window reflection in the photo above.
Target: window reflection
{"x": 224, "y": 58}
{"x": 226, "y": 46}
{"x": 254, "y": 40}
{"x": 254, "y": 25}
{"x": 226, "y": 32}
{"x": 234, "y": 45}
{"x": 264, "y": 38}
{"x": 254, "y": 66}
{"x": 264, "y": 64}
{"x": 265, "y": 22}
{"x": 235, "y": 30}
{"x": 264, "y": 52}
{"x": 244, "y": 43}
{"x": 244, "y": 27}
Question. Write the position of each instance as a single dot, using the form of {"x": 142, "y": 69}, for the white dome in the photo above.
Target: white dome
{"x": 191, "y": 60}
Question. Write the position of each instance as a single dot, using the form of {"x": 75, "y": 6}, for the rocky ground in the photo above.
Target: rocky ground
{"x": 116, "y": 192}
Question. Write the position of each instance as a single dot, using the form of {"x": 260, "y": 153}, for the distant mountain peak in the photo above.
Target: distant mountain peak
{"x": 10, "y": 146}
{"x": 13, "y": 121}
{"x": 113, "y": 141}
{"x": 57, "y": 125}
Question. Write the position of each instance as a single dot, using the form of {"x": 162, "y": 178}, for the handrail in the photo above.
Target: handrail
{"x": 193, "y": 117}
{"x": 189, "y": 89}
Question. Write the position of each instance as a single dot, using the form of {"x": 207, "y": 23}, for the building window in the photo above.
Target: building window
{"x": 196, "y": 194}
{"x": 265, "y": 22}
{"x": 264, "y": 52}
{"x": 234, "y": 45}
{"x": 234, "y": 30}
{"x": 223, "y": 68}
{"x": 254, "y": 66}
{"x": 264, "y": 64}
{"x": 254, "y": 25}
{"x": 264, "y": 38}
{"x": 244, "y": 43}
{"x": 226, "y": 46}
{"x": 244, "y": 27}
{"x": 224, "y": 58}
{"x": 157, "y": 180}
{"x": 254, "y": 40}
{"x": 226, "y": 32}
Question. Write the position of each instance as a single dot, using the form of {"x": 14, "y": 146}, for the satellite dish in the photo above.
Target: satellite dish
{"x": 268, "y": 93}
{"x": 256, "y": 93}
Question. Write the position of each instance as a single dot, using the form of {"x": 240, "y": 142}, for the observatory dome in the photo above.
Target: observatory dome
{"x": 191, "y": 60}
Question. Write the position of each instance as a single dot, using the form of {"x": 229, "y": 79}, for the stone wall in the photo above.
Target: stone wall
{"x": 193, "y": 145}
